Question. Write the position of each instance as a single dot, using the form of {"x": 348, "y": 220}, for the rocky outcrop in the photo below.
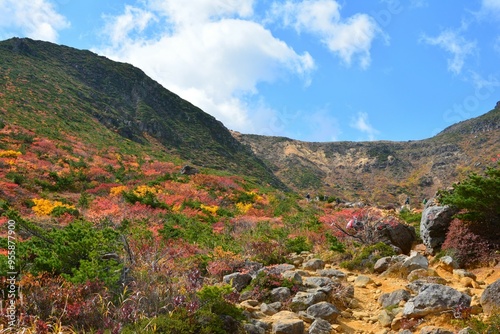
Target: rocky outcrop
{"x": 434, "y": 225}
{"x": 490, "y": 299}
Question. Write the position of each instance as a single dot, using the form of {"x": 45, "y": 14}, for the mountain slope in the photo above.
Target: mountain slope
{"x": 383, "y": 172}
{"x": 55, "y": 90}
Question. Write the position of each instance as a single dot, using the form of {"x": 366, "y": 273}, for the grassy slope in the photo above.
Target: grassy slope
{"x": 53, "y": 90}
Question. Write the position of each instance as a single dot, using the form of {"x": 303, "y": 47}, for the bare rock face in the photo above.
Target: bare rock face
{"x": 490, "y": 299}
{"x": 434, "y": 225}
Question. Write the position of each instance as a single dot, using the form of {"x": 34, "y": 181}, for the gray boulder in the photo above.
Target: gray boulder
{"x": 362, "y": 281}
{"x": 434, "y": 225}
{"x": 313, "y": 264}
{"x": 238, "y": 280}
{"x": 303, "y": 299}
{"x": 385, "y": 318}
{"x": 448, "y": 263}
{"x": 270, "y": 309}
{"x": 434, "y": 330}
{"x": 382, "y": 264}
{"x": 320, "y": 326}
{"x": 332, "y": 273}
{"x": 397, "y": 234}
{"x": 323, "y": 310}
{"x": 415, "y": 261}
{"x": 189, "y": 170}
{"x": 288, "y": 326}
{"x": 292, "y": 275}
{"x": 280, "y": 294}
{"x": 393, "y": 298}
{"x": 490, "y": 299}
{"x": 316, "y": 282}
{"x": 435, "y": 298}
{"x": 253, "y": 329}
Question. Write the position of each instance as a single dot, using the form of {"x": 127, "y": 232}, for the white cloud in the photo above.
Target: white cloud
{"x": 455, "y": 44}
{"x": 349, "y": 38}
{"x": 482, "y": 84}
{"x": 491, "y": 6}
{"x": 214, "y": 60}
{"x": 361, "y": 123}
{"x": 37, "y": 19}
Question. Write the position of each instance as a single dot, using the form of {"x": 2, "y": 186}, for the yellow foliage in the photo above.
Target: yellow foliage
{"x": 44, "y": 207}
{"x": 242, "y": 207}
{"x": 256, "y": 196}
{"x": 219, "y": 253}
{"x": 177, "y": 208}
{"x": 9, "y": 154}
{"x": 210, "y": 208}
{"x": 115, "y": 191}
{"x": 142, "y": 190}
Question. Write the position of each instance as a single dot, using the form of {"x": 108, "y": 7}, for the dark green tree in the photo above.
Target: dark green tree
{"x": 478, "y": 200}
{"x": 478, "y": 197}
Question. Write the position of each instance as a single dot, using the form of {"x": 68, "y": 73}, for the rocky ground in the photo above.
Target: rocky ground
{"x": 334, "y": 300}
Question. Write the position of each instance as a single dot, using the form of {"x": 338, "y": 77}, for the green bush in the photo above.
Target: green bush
{"x": 178, "y": 322}
{"x": 298, "y": 244}
{"x": 367, "y": 256}
{"x": 410, "y": 217}
{"x": 78, "y": 252}
{"x": 334, "y": 244}
{"x": 58, "y": 211}
{"x": 477, "y": 198}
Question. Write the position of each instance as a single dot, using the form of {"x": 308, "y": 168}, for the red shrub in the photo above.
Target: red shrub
{"x": 470, "y": 247}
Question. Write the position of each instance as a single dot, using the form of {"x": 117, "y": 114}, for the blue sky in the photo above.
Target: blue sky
{"x": 313, "y": 70}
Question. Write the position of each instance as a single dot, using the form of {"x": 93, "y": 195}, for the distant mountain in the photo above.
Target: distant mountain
{"x": 58, "y": 91}
{"x": 383, "y": 172}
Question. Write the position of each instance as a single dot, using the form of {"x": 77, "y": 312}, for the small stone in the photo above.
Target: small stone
{"x": 362, "y": 281}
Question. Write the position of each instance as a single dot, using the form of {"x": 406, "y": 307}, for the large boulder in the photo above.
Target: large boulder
{"x": 238, "y": 280}
{"x": 490, "y": 299}
{"x": 434, "y": 226}
{"x": 435, "y": 298}
{"x": 303, "y": 299}
{"x": 323, "y": 310}
{"x": 394, "y": 298}
{"x": 415, "y": 261}
{"x": 397, "y": 234}
{"x": 286, "y": 322}
{"x": 320, "y": 326}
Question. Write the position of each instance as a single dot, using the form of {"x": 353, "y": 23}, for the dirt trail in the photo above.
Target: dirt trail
{"x": 365, "y": 314}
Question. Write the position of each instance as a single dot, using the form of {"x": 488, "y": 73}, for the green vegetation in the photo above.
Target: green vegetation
{"x": 366, "y": 256}
{"x": 477, "y": 197}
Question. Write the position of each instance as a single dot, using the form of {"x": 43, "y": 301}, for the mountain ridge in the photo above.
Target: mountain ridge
{"x": 382, "y": 172}
{"x": 68, "y": 85}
